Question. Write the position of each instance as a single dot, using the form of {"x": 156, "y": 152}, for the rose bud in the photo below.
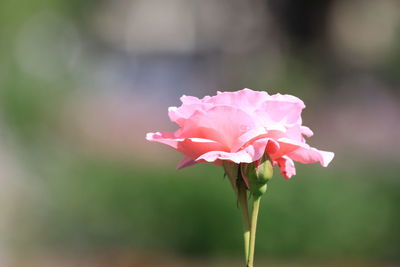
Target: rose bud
{"x": 257, "y": 174}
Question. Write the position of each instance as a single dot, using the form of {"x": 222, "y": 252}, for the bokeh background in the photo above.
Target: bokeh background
{"x": 81, "y": 82}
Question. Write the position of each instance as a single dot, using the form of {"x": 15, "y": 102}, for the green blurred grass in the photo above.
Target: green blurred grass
{"x": 319, "y": 214}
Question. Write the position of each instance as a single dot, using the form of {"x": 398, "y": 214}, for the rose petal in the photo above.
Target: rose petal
{"x": 245, "y": 99}
{"x": 191, "y": 147}
{"x": 306, "y": 131}
{"x": 311, "y": 155}
{"x": 287, "y": 146}
{"x": 248, "y": 137}
{"x": 249, "y": 154}
{"x": 284, "y": 109}
{"x": 182, "y": 114}
{"x": 287, "y": 167}
{"x": 223, "y": 124}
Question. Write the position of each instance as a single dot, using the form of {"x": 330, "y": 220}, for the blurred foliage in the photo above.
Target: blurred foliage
{"x": 89, "y": 203}
{"x": 92, "y": 204}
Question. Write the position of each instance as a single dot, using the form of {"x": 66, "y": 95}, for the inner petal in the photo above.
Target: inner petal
{"x": 223, "y": 124}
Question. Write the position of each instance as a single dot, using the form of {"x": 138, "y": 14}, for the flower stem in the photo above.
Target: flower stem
{"x": 254, "y": 216}
{"x": 242, "y": 201}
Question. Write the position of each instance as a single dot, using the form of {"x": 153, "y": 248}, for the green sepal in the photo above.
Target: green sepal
{"x": 258, "y": 174}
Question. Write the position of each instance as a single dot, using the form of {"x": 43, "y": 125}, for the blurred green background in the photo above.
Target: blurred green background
{"x": 81, "y": 82}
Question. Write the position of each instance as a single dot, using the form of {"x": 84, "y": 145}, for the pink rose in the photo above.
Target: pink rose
{"x": 240, "y": 127}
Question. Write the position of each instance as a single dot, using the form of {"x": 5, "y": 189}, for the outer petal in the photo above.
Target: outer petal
{"x": 182, "y": 114}
{"x": 306, "y": 131}
{"x": 287, "y": 167}
{"x": 311, "y": 155}
{"x": 249, "y": 154}
{"x": 187, "y": 100}
{"x": 190, "y": 105}
{"x": 166, "y": 138}
{"x": 191, "y": 147}
{"x": 294, "y": 132}
{"x": 287, "y": 146}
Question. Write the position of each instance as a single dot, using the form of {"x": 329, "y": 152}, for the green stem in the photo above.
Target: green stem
{"x": 242, "y": 201}
{"x": 254, "y": 216}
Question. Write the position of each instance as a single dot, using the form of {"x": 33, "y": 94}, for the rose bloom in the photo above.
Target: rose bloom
{"x": 240, "y": 127}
